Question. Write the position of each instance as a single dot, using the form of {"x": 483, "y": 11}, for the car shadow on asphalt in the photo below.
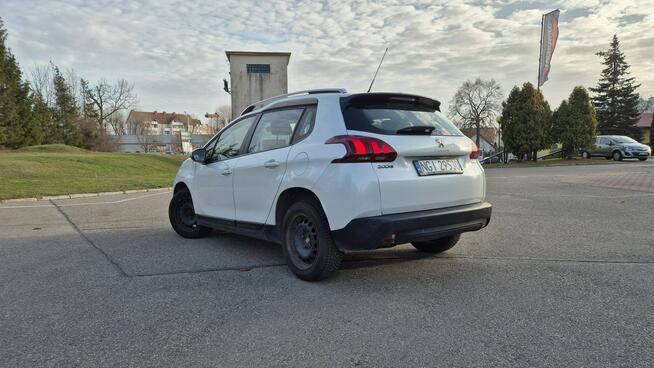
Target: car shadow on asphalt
{"x": 381, "y": 257}
{"x": 159, "y": 251}
{"x": 351, "y": 259}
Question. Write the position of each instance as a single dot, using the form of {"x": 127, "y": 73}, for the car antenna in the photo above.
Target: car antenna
{"x": 377, "y": 71}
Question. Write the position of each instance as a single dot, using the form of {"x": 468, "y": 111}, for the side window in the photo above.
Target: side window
{"x": 602, "y": 140}
{"x": 228, "y": 144}
{"x": 305, "y": 126}
{"x": 274, "y": 130}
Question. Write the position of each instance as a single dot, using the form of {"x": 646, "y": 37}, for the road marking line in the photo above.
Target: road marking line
{"x": 527, "y": 195}
{"x": 112, "y": 202}
{"x": 571, "y": 175}
{"x": 90, "y": 203}
{"x": 40, "y": 206}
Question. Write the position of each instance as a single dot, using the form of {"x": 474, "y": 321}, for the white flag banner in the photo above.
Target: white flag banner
{"x": 549, "y": 33}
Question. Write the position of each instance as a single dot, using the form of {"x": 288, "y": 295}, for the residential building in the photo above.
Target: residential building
{"x": 645, "y": 123}
{"x": 160, "y": 123}
{"x": 206, "y": 129}
{"x": 153, "y": 131}
{"x": 183, "y": 143}
{"x": 489, "y": 137}
{"x": 255, "y": 76}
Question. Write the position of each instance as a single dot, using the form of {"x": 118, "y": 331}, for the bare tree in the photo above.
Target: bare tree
{"x": 40, "y": 80}
{"x": 108, "y": 99}
{"x": 191, "y": 127}
{"x": 224, "y": 114}
{"x": 144, "y": 136}
{"x": 476, "y": 105}
{"x": 73, "y": 81}
{"x": 116, "y": 123}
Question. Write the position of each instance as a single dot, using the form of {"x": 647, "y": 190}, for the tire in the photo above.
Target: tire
{"x": 585, "y": 155}
{"x": 617, "y": 156}
{"x": 438, "y": 245}
{"x": 183, "y": 218}
{"x": 309, "y": 249}
{"x": 642, "y": 158}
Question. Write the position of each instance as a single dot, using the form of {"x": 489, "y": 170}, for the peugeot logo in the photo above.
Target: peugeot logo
{"x": 439, "y": 142}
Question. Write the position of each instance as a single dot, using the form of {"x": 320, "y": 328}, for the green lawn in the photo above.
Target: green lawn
{"x": 554, "y": 162}
{"x": 57, "y": 169}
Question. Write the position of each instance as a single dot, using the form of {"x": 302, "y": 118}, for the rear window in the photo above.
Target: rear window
{"x": 389, "y": 117}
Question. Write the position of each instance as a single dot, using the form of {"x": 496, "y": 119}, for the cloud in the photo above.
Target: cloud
{"x": 174, "y": 51}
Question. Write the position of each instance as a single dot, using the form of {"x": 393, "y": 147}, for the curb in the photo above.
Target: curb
{"x": 520, "y": 166}
{"x": 86, "y": 195}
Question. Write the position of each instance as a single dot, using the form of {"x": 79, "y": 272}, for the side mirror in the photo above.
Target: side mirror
{"x": 199, "y": 155}
{"x": 611, "y": 144}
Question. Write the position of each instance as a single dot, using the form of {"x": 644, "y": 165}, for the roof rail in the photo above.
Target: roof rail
{"x": 268, "y": 101}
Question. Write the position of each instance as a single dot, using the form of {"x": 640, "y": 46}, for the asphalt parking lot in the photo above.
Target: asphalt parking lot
{"x": 563, "y": 276}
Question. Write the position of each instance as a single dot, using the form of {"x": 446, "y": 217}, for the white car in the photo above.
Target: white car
{"x": 326, "y": 171}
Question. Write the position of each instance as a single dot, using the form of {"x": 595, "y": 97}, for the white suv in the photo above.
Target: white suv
{"x": 325, "y": 171}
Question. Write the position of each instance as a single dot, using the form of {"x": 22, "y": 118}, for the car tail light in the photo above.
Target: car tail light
{"x": 475, "y": 151}
{"x": 363, "y": 149}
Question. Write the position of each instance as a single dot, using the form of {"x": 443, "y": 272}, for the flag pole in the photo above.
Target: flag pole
{"x": 540, "y": 50}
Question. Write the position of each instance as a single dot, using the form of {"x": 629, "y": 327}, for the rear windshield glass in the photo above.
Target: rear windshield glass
{"x": 388, "y": 118}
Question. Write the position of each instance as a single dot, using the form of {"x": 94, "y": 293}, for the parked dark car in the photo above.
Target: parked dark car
{"x": 617, "y": 147}
{"x": 491, "y": 160}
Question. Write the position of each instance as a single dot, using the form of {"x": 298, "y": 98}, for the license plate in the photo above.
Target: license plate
{"x": 437, "y": 167}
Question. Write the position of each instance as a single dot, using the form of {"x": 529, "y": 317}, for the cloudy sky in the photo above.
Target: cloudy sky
{"x": 174, "y": 50}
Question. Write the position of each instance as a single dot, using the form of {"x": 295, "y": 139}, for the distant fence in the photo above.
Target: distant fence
{"x": 159, "y": 143}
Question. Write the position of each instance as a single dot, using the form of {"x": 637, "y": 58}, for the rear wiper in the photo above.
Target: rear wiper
{"x": 416, "y": 130}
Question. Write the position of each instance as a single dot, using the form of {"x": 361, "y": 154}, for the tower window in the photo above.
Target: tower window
{"x": 258, "y": 68}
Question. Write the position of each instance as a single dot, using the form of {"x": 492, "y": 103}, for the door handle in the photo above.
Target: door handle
{"x": 226, "y": 172}
{"x": 271, "y": 164}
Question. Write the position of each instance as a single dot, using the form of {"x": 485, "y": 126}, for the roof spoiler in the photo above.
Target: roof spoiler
{"x": 370, "y": 98}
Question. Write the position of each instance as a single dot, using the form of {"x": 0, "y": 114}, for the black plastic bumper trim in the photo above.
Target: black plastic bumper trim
{"x": 370, "y": 232}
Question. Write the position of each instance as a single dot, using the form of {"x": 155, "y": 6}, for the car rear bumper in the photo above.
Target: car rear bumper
{"x": 388, "y": 230}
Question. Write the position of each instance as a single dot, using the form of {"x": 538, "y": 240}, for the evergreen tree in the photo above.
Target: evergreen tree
{"x": 16, "y": 123}
{"x": 86, "y": 105}
{"x": 89, "y": 125}
{"x": 574, "y": 123}
{"x": 43, "y": 117}
{"x": 526, "y": 122}
{"x": 615, "y": 95}
{"x": 31, "y": 129}
{"x": 65, "y": 112}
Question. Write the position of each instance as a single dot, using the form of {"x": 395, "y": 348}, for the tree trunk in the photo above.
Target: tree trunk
{"x": 478, "y": 125}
